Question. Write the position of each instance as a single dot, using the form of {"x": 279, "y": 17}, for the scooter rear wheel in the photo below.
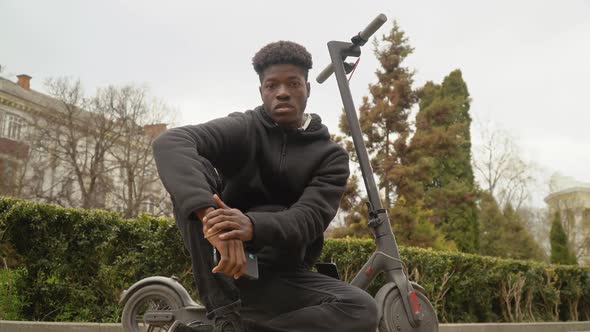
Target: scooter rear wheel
{"x": 394, "y": 317}
{"x": 151, "y": 298}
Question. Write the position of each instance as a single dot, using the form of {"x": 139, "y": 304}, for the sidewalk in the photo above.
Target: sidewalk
{"x": 13, "y": 326}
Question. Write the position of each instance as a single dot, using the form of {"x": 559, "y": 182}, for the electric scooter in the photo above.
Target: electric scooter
{"x": 161, "y": 303}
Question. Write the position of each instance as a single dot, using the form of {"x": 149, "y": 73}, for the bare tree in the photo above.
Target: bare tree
{"x": 78, "y": 136}
{"x": 500, "y": 167}
{"x": 25, "y": 171}
{"x": 141, "y": 118}
{"x": 92, "y": 152}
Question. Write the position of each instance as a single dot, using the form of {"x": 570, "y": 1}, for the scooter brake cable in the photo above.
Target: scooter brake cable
{"x": 354, "y": 68}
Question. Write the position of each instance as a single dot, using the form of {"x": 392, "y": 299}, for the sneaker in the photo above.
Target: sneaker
{"x": 231, "y": 322}
{"x": 198, "y": 327}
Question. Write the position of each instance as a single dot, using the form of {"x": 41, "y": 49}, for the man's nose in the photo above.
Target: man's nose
{"x": 283, "y": 92}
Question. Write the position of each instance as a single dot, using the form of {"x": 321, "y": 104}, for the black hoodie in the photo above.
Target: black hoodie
{"x": 288, "y": 182}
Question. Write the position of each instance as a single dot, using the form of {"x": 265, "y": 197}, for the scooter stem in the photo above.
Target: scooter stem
{"x": 387, "y": 253}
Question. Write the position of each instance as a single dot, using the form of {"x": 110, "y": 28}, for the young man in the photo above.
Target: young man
{"x": 268, "y": 180}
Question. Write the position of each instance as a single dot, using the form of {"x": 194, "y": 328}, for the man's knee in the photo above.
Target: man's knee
{"x": 370, "y": 312}
{"x": 365, "y": 311}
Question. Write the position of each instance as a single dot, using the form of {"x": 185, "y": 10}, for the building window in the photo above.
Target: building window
{"x": 8, "y": 174}
{"x": 11, "y": 126}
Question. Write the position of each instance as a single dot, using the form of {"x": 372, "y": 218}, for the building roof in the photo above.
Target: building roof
{"x": 46, "y": 102}
{"x": 561, "y": 193}
{"x": 32, "y": 96}
{"x": 565, "y": 185}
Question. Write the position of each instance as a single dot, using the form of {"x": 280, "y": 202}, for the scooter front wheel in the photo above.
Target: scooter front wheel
{"x": 150, "y": 308}
{"x": 394, "y": 318}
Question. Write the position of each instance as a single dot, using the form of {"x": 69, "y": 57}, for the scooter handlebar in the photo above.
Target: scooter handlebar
{"x": 373, "y": 26}
{"x": 364, "y": 35}
{"x": 323, "y": 76}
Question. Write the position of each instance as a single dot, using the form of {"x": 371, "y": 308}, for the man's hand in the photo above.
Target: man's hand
{"x": 233, "y": 259}
{"x": 201, "y": 213}
{"x": 232, "y": 222}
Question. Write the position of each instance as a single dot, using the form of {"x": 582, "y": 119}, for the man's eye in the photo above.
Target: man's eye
{"x": 295, "y": 84}
{"x": 269, "y": 86}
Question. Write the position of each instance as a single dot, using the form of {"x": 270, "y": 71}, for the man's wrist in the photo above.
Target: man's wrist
{"x": 202, "y": 212}
{"x": 253, "y": 229}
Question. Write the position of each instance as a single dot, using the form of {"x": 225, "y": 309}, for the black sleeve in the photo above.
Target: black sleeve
{"x": 179, "y": 152}
{"x": 308, "y": 218}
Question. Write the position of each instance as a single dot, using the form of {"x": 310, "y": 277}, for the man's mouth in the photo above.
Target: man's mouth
{"x": 284, "y": 107}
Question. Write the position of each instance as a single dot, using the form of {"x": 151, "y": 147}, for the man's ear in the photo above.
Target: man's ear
{"x": 260, "y": 91}
{"x": 308, "y": 89}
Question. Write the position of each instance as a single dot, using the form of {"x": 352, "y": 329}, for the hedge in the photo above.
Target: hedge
{"x": 72, "y": 264}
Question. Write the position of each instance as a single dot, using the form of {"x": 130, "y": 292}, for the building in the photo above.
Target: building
{"x": 572, "y": 200}
{"x": 29, "y": 170}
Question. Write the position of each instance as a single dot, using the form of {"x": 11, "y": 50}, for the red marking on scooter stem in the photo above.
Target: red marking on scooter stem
{"x": 414, "y": 303}
{"x": 369, "y": 271}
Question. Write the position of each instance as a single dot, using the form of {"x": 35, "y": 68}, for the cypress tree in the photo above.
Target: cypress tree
{"x": 520, "y": 244}
{"x": 560, "y": 250}
{"x": 503, "y": 233}
{"x": 493, "y": 227}
{"x": 439, "y": 160}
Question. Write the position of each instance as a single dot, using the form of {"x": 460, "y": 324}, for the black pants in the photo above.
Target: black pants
{"x": 296, "y": 300}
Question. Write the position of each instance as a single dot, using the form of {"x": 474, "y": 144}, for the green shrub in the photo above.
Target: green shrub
{"x": 77, "y": 262}
{"x": 72, "y": 264}
{"x": 471, "y": 288}
{"x": 11, "y": 303}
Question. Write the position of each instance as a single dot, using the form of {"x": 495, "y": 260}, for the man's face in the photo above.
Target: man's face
{"x": 284, "y": 91}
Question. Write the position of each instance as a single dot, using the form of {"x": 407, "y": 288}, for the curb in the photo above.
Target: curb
{"x": 25, "y": 326}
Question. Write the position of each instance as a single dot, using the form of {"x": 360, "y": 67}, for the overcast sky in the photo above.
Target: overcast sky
{"x": 526, "y": 63}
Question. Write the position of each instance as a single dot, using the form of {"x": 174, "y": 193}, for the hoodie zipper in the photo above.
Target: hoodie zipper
{"x": 283, "y": 154}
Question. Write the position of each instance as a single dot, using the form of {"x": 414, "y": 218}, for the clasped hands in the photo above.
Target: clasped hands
{"x": 226, "y": 229}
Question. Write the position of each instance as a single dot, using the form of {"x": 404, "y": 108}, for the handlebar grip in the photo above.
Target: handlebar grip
{"x": 373, "y": 26}
{"x": 364, "y": 35}
{"x": 323, "y": 76}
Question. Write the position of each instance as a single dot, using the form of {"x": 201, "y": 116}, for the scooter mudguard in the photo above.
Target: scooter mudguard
{"x": 172, "y": 282}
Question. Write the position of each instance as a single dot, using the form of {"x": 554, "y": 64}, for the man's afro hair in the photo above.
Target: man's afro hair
{"x": 282, "y": 52}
